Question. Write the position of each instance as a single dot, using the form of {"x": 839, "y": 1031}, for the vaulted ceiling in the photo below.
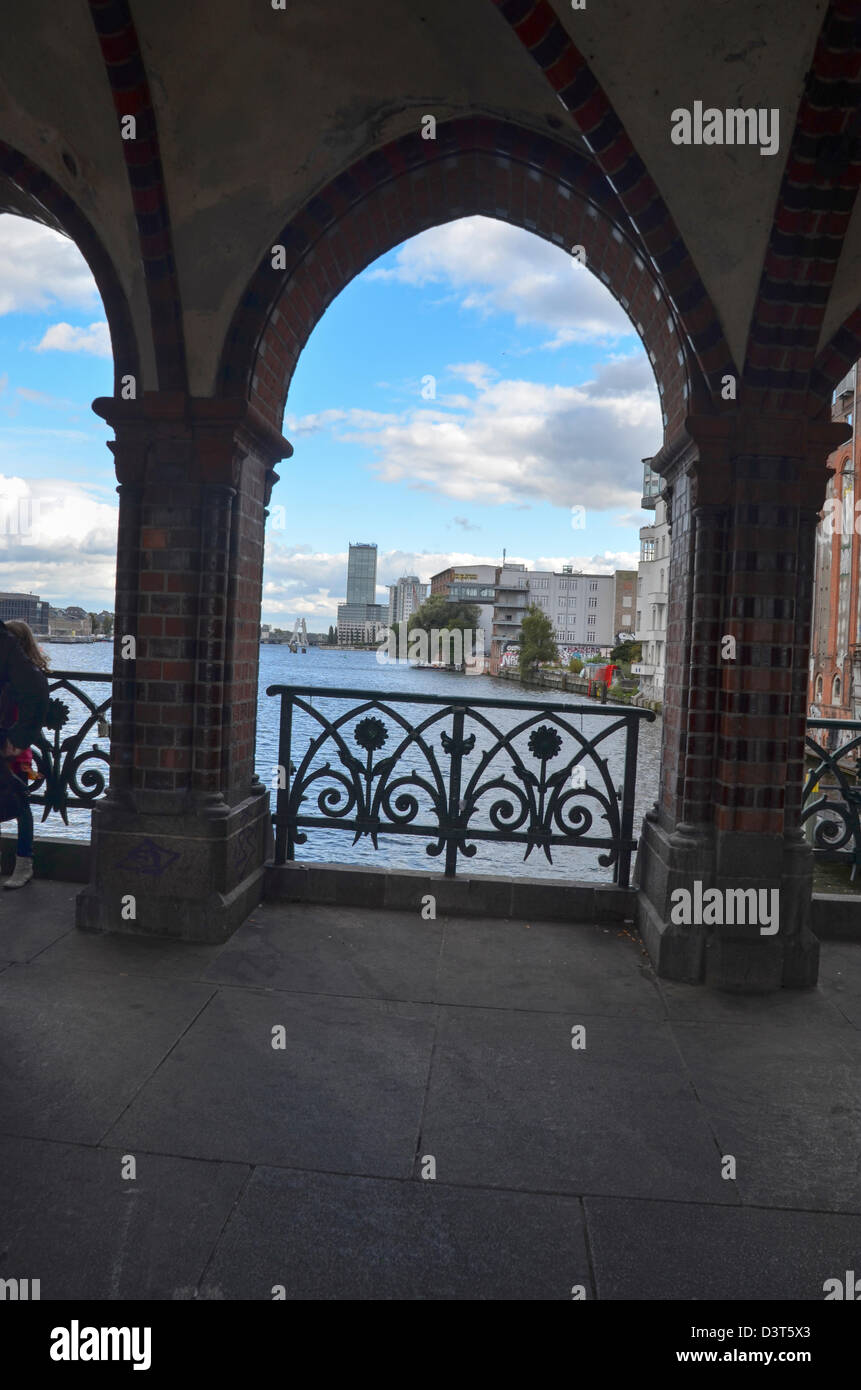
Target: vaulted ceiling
{"x": 247, "y": 111}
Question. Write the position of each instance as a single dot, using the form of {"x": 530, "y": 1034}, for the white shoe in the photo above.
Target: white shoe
{"x": 22, "y": 873}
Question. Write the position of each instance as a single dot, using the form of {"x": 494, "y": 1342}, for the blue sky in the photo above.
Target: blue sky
{"x": 458, "y": 398}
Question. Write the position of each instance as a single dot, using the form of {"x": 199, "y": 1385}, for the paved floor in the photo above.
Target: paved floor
{"x": 280, "y": 1097}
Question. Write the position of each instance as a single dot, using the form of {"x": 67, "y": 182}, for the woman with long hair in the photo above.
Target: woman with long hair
{"x": 20, "y": 760}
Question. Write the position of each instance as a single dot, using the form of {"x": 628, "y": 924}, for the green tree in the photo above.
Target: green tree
{"x": 537, "y": 642}
{"x": 626, "y": 652}
{"x": 331, "y": 637}
{"x": 439, "y": 614}
{"x": 575, "y": 665}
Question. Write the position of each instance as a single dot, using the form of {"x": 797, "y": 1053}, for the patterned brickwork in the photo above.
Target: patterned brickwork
{"x": 475, "y": 166}
{"x": 816, "y": 201}
{"x": 568, "y": 73}
{"x": 131, "y": 96}
{"x": 193, "y": 479}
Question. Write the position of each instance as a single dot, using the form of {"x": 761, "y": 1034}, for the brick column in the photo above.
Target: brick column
{"x": 184, "y": 828}
{"x": 745, "y": 496}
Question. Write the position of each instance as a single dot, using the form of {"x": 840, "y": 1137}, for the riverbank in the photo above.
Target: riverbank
{"x": 574, "y": 685}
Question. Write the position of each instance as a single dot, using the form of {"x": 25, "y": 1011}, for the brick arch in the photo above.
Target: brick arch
{"x": 130, "y": 91}
{"x": 814, "y": 207}
{"x": 840, "y": 353}
{"x": 475, "y": 166}
{"x": 38, "y": 185}
{"x": 545, "y": 39}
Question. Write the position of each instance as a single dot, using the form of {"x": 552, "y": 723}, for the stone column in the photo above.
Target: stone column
{"x": 180, "y": 839}
{"x": 746, "y": 493}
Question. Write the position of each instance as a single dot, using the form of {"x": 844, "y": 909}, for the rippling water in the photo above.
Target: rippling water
{"x": 326, "y": 667}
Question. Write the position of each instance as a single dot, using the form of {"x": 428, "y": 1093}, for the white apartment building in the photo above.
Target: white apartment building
{"x": 580, "y": 606}
{"x": 408, "y": 594}
{"x": 652, "y": 583}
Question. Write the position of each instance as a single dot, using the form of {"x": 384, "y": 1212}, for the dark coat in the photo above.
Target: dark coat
{"x": 25, "y": 687}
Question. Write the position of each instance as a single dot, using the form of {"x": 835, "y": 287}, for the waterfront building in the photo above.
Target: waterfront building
{"x": 834, "y": 674}
{"x": 652, "y": 589}
{"x": 405, "y": 596}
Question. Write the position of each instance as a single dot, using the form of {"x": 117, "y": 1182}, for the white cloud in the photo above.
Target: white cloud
{"x": 62, "y": 337}
{"x": 57, "y": 539}
{"x": 44, "y": 399}
{"x": 523, "y": 441}
{"x": 40, "y": 269}
{"x": 494, "y": 268}
{"x": 325, "y": 419}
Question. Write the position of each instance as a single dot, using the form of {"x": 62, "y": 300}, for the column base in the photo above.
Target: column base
{"x": 738, "y": 958}
{"x": 194, "y": 877}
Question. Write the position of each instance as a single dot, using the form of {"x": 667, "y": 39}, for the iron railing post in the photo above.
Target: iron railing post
{"x": 452, "y": 844}
{"x": 283, "y": 835}
{"x": 623, "y": 864}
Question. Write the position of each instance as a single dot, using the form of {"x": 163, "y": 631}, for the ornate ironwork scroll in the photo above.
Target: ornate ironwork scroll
{"x": 832, "y": 792}
{"x": 457, "y": 772}
{"x": 69, "y": 771}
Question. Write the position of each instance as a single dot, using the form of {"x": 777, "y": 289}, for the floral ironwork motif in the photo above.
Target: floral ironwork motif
{"x": 545, "y": 743}
{"x": 69, "y": 772}
{"x": 371, "y": 734}
{"x": 456, "y": 786}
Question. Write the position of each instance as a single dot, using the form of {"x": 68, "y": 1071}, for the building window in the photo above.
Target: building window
{"x": 647, "y": 551}
{"x": 662, "y": 580}
{"x": 818, "y": 687}
{"x": 835, "y": 690}
{"x": 627, "y": 602}
{"x": 594, "y": 585}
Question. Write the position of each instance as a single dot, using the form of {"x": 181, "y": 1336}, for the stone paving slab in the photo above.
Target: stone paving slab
{"x": 788, "y": 1008}
{"x": 110, "y": 954}
{"x": 325, "y": 1237}
{"x": 74, "y": 1048}
{"x": 541, "y": 966}
{"x": 406, "y": 1039}
{"x": 840, "y": 981}
{"x": 344, "y": 1094}
{"x": 333, "y": 950}
{"x": 786, "y": 1103}
{"x": 71, "y": 1221}
{"x": 32, "y": 918}
{"x": 669, "y": 1250}
{"x": 512, "y": 1104}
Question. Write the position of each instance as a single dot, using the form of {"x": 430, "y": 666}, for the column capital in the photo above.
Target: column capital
{"x": 751, "y": 434}
{"x": 209, "y": 435}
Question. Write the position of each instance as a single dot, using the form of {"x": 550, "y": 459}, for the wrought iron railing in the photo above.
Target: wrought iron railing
{"x": 69, "y": 772}
{"x": 831, "y": 799}
{"x": 452, "y": 775}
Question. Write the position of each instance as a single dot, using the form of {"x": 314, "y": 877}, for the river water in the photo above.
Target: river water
{"x": 324, "y": 668}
